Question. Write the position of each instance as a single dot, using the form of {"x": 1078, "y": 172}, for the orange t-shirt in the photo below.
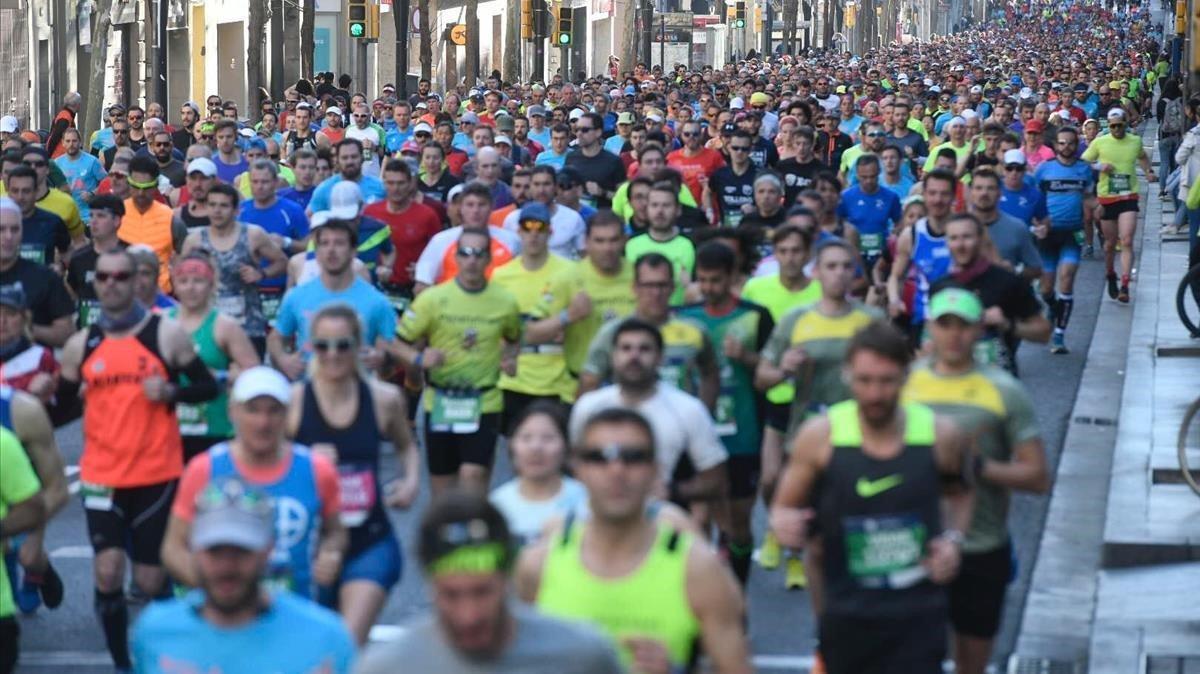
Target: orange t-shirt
{"x": 500, "y": 256}
{"x": 153, "y": 229}
{"x": 496, "y": 219}
{"x": 199, "y": 472}
{"x": 128, "y": 440}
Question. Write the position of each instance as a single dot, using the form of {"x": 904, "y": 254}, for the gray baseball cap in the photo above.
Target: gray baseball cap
{"x": 231, "y": 512}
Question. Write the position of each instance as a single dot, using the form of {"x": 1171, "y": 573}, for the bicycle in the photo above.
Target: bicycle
{"x": 1187, "y": 301}
{"x": 1184, "y": 427}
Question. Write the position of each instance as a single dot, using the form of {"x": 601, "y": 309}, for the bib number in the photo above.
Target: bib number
{"x": 455, "y": 412}
{"x": 1078, "y": 236}
{"x": 270, "y": 306}
{"x": 1120, "y": 183}
{"x": 885, "y": 552}
{"x": 33, "y": 253}
{"x": 233, "y": 306}
{"x": 96, "y": 497}
{"x": 872, "y": 243}
{"x": 89, "y": 313}
{"x": 192, "y": 420}
{"x": 357, "y": 489}
{"x": 726, "y": 421}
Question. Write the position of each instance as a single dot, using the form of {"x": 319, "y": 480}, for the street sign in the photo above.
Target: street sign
{"x": 458, "y": 34}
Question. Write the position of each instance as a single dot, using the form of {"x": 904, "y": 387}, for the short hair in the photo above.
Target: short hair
{"x": 144, "y": 164}
{"x": 619, "y": 416}
{"x": 227, "y": 190}
{"x": 828, "y": 177}
{"x": 459, "y": 509}
{"x": 477, "y": 189}
{"x": 23, "y": 171}
{"x": 304, "y": 153}
{"x": 655, "y": 261}
{"x": 440, "y": 150}
{"x": 635, "y": 324}
{"x": 969, "y": 217}
{"x": 650, "y": 147}
{"x": 538, "y": 169}
{"x": 832, "y": 244}
{"x": 143, "y": 256}
{"x": 715, "y": 256}
{"x": 986, "y": 173}
{"x": 888, "y": 148}
{"x": 947, "y": 153}
{"x": 223, "y": 124}
{"x": 560, "y": 128}
{"x": 942, "y": 175}
{"x": 397, "y": 166}
{"x": 549, "y": 409}
{"x": 604, "y": 218}
{"x": 354, "y": 142}
{"x": 784, "y": 231}
{"x": 477, "y": 231}
{"x": 867, "y": 160}
{"x": 107, "y": 202}
{"x": 265, "y": 165}
{"x": 883, "y": 339}
{"x": 768, "y": 177}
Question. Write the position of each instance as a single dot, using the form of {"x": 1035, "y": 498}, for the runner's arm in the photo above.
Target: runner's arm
{"x": 175, "y": 553}
{"x": 232, "y": 339}
{"x": 1035, "y": 328}
{"x": 1144, "y": 160}
{"x": 895, "y": 282}
{"x": 952, "y": 451}
{"x": 528, "y": 575}
{"x": 402, "y": 492}
{"x": 265, "y": 248}
{"x": 37, "y": 436}
{"x": 1027, "y": 471}
{"x": 717, "y": 603}
{"x": 67, "y": 405}
{"x": 23, "y": 516}
{"x": 180, "y": 355}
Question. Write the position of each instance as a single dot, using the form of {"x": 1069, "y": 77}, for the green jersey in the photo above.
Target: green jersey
{"x": 18, "y": 482}
{"x": 738, "y": 410}
{"x": 210, "y": 419}
{"x": 824, "y": 340}
{"x": 687, "y": 352}
{"x": 769, "y": 292}
{"x": 541, "y": 368}
{"x": 469, "y": 328}
{"x": 678, "y": 249}
{"x": 992, "y": 407}
{"x": 1121, "y": 182}
{"x": 611, "y": 296}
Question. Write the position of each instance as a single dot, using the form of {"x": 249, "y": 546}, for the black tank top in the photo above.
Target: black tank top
{"x": 876, "y": 517}
{"x": 358, "y": 465}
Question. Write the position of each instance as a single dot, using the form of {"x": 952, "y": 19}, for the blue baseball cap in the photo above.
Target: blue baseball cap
{"x": 257, "y": 143}
{"x": 535, "y": 211}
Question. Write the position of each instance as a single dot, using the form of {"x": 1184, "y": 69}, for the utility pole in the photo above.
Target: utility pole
{"x": 277, "y": 41}
{"x": 161, "y": 84}
{"x": 401, "y": 8}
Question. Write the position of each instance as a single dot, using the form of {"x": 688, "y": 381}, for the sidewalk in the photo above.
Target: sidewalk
{"x": 1115, "y": 585}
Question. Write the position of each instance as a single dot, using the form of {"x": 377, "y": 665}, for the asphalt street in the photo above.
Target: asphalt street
{"x": 781, "y": 625}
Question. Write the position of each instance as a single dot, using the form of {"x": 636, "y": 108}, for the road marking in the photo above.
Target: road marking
{"x": 66, "y": 659}
{"x": 73, "y": 552}
{"x": 72, "y": 471}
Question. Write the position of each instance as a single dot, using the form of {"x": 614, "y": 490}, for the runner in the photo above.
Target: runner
{"x": 340, "y": 413}
{"x": 106, "y": 212}
{"x": 283, "y": 220}
{"x": 741, "y": 328}
{"x": 807, "y": 348}
{"x": 129, "y": 361}
{"x": 220, "y": 343}
{"x": 20, "y": 510}
{"x": 411, "y": 226}
{"x": 992, "y": 407}
{"x": 1115, "y": 155}
{"x": 463, "y": 335}
{"x": 467, "y": 553}
{"x": 673, "y": 590}
{"x": 886, "y": 545}
{"x": 664, "y": 237}
{"x": 925, "y": 250}
{"x": 236, "y": 622}
{"x": 310, "y": 541}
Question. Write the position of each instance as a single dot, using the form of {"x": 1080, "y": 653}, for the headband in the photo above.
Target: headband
{"x": 194, "y": 267}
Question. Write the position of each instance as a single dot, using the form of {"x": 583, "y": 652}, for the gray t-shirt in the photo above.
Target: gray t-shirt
{"x": 541, "y": 645}
{"x": 1014, "y": 242}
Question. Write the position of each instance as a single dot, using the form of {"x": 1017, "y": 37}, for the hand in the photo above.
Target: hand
{"x": 383, "y": 272}
{"x": 733, "y": 348}
{"x": 1105, "y": 168}
{"x": 327, "y": 566}
{"x": 250, "y": 274}
{"x": 401, "y": 493}
{"x": 580, "y": 306}
{"x": 942, "y": 561}
{"x": 42, "y": 385}
{"x": 702, "y": 179}
{"x": 993, "y": 317}
{"x": 431, "y": 358}
{"x": 325, "y": 449}
{"x": 1040, "y": 231}
{"x": 1152, "y": 177}
{"x": 157, "y": 389}
{"x": 791, "y": 525}
{"x": 594, "y": 188}
{"x": 508, "y": 363}
{"x": 649, "y": 655}
{"x": 372, "y": 358}
{"x": 793, "y": 359}
{"x": 292, "y": 365}
{"x": 747, "y": 209}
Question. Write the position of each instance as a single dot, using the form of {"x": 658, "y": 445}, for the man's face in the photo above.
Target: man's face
{"x": 939, "y": 195}
{"x": 444, "y": 135}
{"x": 12, "y": 323}
{"x": 397, "y": 185}
{"x": 605, "y": 246}
{"x": 899, "y": 117}
{"x": 791, "y": 255}
{"x": 71, "y": 143}
{"x": 1066, "y": 145}
{"x": 558, "y": 141}
{"x": 10, "y": 236}
{"x": 662, "y": 209}
{"x": 335, "y": 253}
{"x": 333, "y": 120}
{"x": 653, "y": 287}
{"x": 542, "y": 188}
{"x": 715, "y": 285}
{"x": 472, "y": 255}
{"x": 521, "y": 129}
{"x": 402, "y": 115}
{"x": 586, "y": 133}
{"x": 962, "y": 238}
{"x": 187, "y": 116}
{"x": 305, "y": 171}
{"x": 471, "y": 611}
{"x": 868, "y": 176}
{"x": 953, "y": 338}
{"x": 227, "y": 140}
{"x": 635, "y": 359}
{"x": 534, "y": 236}
{"x": 482, "y": 137}
{"x": 692, "y": 137}
{"x": 474, "y": 210}
{"x": 835, "y": 270}
{"x": 830, "y": 195}
{"x": 221, "y": 208}
{"x": 487, "y": 167}
{"x": 984, "y": 195}
{"x": 875, "y": 382}
{"x": 136, "y": 118}
{"x": 262, "y": 185}
{"x": 161, "y": 147}
{"x": 114, "y": 282}
{"x": 24, "y": 192}
{"x": 619, "y": 488}
{"x": 144, "y": 196}
{"x": 303, "y": 119}
{"x": 349, "y": 160}
{"x": 229, "y": 576}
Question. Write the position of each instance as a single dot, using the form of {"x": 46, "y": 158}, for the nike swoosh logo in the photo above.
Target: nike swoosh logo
{"x": 871, "y": 488}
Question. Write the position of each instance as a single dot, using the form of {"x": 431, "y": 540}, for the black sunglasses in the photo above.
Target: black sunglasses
{"x": 336, "y": 345}
{"x": 629, "y": 456}
{"x": 115, "y": 276}
{"x": 471, "y": 251}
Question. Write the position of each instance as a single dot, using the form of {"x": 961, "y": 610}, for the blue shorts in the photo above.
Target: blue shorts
{"x": 382, "y": 563}
{"x": 1061, "y": 246}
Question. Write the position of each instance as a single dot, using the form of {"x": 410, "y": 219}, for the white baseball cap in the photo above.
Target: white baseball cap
{"x": 203, "y": 166}
{"x": 345, "y": 200}
{"x": 8, "y": 124}
{"x": 503, "y": 139}
{"x": 422, "y": 127}
{"x": 333, "y": 110}
{"x": 259, "y": 381}
{"x": 1115, "y": 115}
{"x": 576, "y": 113}
{"x": 1014, "y": 157}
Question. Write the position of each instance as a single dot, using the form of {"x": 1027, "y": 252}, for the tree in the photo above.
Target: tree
{"x": 291, "y": 43}
{"x": 308, "y": 40}
{"x": 277, "y": 58}
{"x": 512, "y": 43}
{"x": 256, "y": 36}
{"x": 472, "y": 60}
{"x": 424, "y": 17}
{"x": 101, "y": 23}
{"x": 791, "y": 11}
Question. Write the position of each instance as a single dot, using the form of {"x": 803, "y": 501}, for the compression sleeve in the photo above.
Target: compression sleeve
{"x": 200, "y": 386}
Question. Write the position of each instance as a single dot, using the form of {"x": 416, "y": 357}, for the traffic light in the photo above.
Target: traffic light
{"x": 356, "y": 19}
{"x": 526, "y": 19}
{"x": 373, "y": 22}
{"x": 564, "y": 26}
{"x": 739, "y": 15}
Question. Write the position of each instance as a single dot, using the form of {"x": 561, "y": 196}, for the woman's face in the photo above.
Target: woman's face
{"x": 335, "y": 346}
{"x": 193, "y": 290}
{"x": 538, "y": 448}
{"x": 913, "y": 213}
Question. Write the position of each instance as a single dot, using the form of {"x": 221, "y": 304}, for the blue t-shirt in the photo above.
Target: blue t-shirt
{"x": 873, "y": 214}
{"x": 227, "y": 173}
{"x": 615, "y": 144}
{"x": 1065, "y": 188}
{"x": 83, "y": 175}
{"x": 395, "y": 138}
{"x": 371, "y": 187}
{"x": 542, "y": 137}
{"x": 299, "y": 196}
{"x": 292, "y": 636}
{"x": 549, "y": 158}
{"x": 285, "y": 218}
{"x": 1025, "y": 204}
{"x": 850, "y": 126}
{"x": 301, "y": 303}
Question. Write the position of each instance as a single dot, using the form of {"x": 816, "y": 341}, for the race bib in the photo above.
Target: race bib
{"x": 726, "y": 422}
{"x": 987, "y": 351}
{"x": 96, "y": 497}
{"x": 733, "y": 218}
{"x": 1120, "y": 183}
{"x": 357, "y": 490}
{"x": 270, "y": 306}
{"x": 885, "y": 552}
{"x": 455, "y": 412}
{"x": 89, "y": 312}
{"x": 872, "y": 243}
{"x": 233, "y": 306}
{"x": 33, "y": 252}
{"x": 672, "y": 373}
{"x": 1079, "y": 240}
{"x": 192, "y": 420}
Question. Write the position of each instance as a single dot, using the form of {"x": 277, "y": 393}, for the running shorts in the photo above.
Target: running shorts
{"x": 137, "y": 515}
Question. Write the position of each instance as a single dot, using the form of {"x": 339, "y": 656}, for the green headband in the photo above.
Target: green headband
{"x": 143, "y": 186}
{"x": 480, "y": 559}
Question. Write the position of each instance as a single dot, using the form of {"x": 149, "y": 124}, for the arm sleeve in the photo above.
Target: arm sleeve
{"x": 200, "y": 386}
{"x": 328, "y": 487}
{"x": 195, "y": 476}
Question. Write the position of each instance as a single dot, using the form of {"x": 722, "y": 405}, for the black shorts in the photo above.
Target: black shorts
{"x": 977, "y": 594}
{"x": 446, "y": 452}
{"x": 10, "y": 641}
{"x": 777, "y": 416}
{"x": 137, "y": 515}
{"x": 744, "y": 471}
{"x": 1111, "y": 211}
{"x": 515, "y": 402}
{"x": 913, "y": 644}
{"x": 198, "y": 444}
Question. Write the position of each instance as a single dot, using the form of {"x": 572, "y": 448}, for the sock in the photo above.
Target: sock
{"x": 114, "y": 618}
{"x": 1052, "y": 305}
{"x": 739, "y": 559}
{"x": 1065, "y": 302}
{"x": 1124, "y": 279}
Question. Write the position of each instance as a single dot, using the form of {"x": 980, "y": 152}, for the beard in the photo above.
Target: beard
{"x": 246, "y": 597}
{"x": 878, "y": 414}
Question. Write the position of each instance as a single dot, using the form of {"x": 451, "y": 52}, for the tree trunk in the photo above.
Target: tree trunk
{"x": 791, "y": 10}
{"x": 400, "y": 21}
{"x": 451, "y": 69}
{"x": 291, "y": 43}
{"x": 425, "y": 19}
{"x": 471, "y": 69}
{"x": 277, "y": 46}
{"x": 628, "y": 35}
{"x": 255, "y": 37}
{"x": 101, "y": 23}
{"x": 512, "y": 43}
{"x": 308, "y": 40}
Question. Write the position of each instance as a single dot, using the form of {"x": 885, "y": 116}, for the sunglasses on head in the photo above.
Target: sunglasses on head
{"x": 629, "y": 456}
{"x": 336, "y": 345}
{"x": 115, "y": 276}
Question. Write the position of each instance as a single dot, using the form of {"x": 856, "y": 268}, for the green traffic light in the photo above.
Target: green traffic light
{"x": 564, "y": 38}
{"x": 740, "y": 23}
{"x": 357, "y": 30}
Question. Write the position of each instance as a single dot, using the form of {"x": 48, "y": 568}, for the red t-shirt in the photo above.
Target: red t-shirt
{"x": 198, "y": 473}
{"x": 411, "y": 231}
{"x": 704, "y": 163}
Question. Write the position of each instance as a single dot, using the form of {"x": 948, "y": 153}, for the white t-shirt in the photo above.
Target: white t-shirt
{"x": 526, "y": 518}
{"x": 567, "y": 230}
{"x": 369, "y": 137}
{"x": 681, "y": 424}
{"x": 429, "y": 265}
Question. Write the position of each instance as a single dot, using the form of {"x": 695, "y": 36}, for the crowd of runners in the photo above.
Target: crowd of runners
{"x": 670, "y": 297}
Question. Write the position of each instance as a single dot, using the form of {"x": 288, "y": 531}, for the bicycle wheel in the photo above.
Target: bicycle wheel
{"x": 1182, "y": 446}
{"x": 1187, "y": 301}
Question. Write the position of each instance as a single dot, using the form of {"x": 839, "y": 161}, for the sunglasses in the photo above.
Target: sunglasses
{"x": 1116, "y": 126}
{"x": 336, "y": 345}
{"x": 206, "y": 136}
{"x": 534, "y": 226}
{"x": 584, "y": 129}
{"x": 136, "y": 118}
{"x": 739, "y": 148}
{"x": 471, "y": 251}
{"x": 40, "y": 163}
{"x": 121, "y": 131}
{"x": 1014, "y": 167}
{"x": 114, "y": 276}
{"x": 629, "y": 456}
{"x": 876, "y": 134}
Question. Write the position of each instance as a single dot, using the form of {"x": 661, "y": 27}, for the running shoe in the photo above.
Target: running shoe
{"x": 1123, "y": 295}
{"x": 51, "y": 588}
{"x": 26, "y": 597}
{"x": 1089, "y": 251}
{"x": 795, "y": 578}
{"x": 1058, "y": 343}
{"x": 1112, "y": 286}
{"x": 770, "y": 553}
